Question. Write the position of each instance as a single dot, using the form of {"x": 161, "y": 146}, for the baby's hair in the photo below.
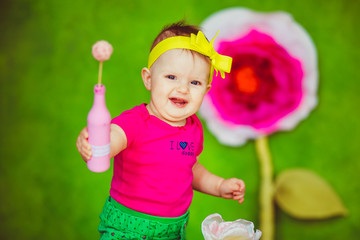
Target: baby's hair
{"x": 176, "y": 29}
{"x": 179, "y": 29}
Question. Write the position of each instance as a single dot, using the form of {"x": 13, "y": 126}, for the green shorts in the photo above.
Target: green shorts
{"x": 120, "y": 222}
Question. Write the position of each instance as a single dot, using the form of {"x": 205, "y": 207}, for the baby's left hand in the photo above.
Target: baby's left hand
{"x": 232, "y": 188}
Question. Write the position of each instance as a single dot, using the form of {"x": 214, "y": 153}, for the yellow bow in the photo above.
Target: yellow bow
{"x": 198, "y": 43}
{"x": 219, "y": 62}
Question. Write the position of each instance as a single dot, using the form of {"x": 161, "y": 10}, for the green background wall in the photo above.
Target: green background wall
{"x": 47, "y": 75}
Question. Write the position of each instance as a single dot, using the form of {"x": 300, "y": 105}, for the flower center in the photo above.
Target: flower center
{"x": 246, "y": 80}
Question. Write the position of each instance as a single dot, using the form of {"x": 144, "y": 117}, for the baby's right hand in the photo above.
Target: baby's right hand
{"x": 83, "y": 145}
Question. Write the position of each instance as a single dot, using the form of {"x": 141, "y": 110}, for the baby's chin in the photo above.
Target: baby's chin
{"x": 177, "y": 120}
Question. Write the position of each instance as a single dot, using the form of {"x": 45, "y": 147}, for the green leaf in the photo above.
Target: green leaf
{"x": 305, "y": 195}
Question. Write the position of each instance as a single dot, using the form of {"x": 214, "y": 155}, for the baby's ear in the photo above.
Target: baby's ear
{"x": 146, "y": 77}
{"x": 208, "y": 87}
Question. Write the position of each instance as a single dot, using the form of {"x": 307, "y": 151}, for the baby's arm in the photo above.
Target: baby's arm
{"x": 206, "y": 182}
{"x": 118, "y": 142}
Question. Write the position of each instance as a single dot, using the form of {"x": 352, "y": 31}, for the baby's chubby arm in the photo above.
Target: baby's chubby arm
{"x": 208, "y": 183}
{"x": 118, "y": 142}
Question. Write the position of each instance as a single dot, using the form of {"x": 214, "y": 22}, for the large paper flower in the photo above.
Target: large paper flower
{"x": 273, "y": 82}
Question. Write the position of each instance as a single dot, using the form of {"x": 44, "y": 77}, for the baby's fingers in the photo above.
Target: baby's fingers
{"x": 238, "y": 196}
{"x": 84, "y": 133}
{"x": 241, "y": 185}
{"x": 86, "y": 151}
{"x": 83, "y": 145}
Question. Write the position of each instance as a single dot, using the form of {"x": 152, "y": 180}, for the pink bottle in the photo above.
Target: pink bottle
{"x": 98, "y": 123}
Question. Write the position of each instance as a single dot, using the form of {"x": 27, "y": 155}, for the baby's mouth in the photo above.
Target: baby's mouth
{"x": 179, "y": 102}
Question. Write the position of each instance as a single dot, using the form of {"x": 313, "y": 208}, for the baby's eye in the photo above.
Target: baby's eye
{"x": 172, "y": 77}
{"x": 196, "y": 83}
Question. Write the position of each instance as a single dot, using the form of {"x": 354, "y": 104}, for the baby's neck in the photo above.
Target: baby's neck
{"x": 153, "y": 112}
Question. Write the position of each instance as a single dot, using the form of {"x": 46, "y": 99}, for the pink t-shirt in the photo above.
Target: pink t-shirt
{"x": 153, "y": 175}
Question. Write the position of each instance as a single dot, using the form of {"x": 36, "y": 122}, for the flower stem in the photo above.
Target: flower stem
{"x": 266, "y": 189}
{"x": 100, "y": 72}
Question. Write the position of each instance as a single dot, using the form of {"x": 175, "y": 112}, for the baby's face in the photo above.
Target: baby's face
{"x": 179, "y": 82}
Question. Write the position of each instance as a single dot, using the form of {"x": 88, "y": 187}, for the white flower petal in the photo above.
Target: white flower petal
{"x": 215, "y": 228}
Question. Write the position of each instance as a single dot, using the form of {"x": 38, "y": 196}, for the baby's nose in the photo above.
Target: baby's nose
{"x": 182, "y": 87}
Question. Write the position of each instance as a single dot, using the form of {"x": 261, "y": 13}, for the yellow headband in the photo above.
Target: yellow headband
{"x": 197, "y": 43}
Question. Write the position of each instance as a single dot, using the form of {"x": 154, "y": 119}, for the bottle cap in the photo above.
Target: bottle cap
{"x": 99, "y": 89}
